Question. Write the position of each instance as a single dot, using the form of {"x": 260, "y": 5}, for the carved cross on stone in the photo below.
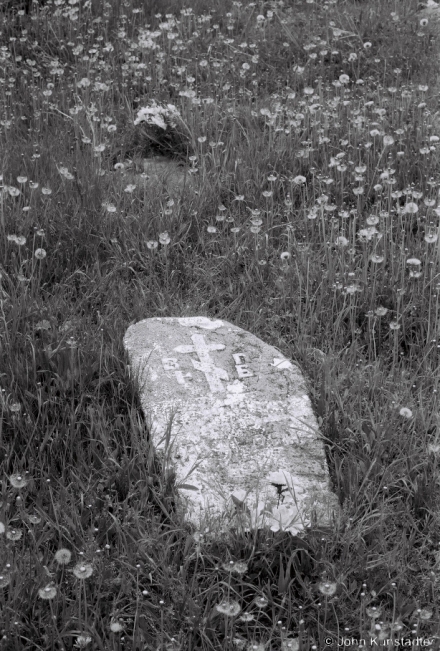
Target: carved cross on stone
{"x": 206, "y": 365}
{"x": 244, "y": 431}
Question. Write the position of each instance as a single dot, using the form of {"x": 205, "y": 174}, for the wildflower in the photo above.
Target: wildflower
{"x": 164, "y": 238}
{"x": 228, "y": 608}
{"x": 63, "y": 556}
{"x": 366, "y": 234}
{"x": 407, "y": 413}
{"x": 40, "y": 254}
{"x": 434, "y": 448}
{"x": 373, "y": 611}
{"x": 65, "y": 172}
{"x": 327, "y": 589}
{"x": 20, "y": 240}
{"x": 352, "y": 289}
{"x": 5, "y": 579}
{"x": 410, "y": 208}
{"x": 48, "y": 592}
{"x": 247, "y": 617}
{"x": 425, "y": 613}
{"x": 394, "y": 325}
{"x": 396, "y": 626}
{"x": 238, "y": 567}
{"x": 298, "y": 180}
{"x": 18, "y": 481}
{"x": 14, "y": 534}
{"x": 116, "y": 626}
{"x": 82, "y": 570}
{"x": 261, "y": 602}
{"x": 82, "y": 641}
{"x": 228, "y": 566}
{"x": 290, "y": 644}
{"x": 388, "y": 140}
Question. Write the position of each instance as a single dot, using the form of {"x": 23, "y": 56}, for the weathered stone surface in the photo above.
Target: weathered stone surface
{"x": 156, "y": 175}
{"x": 246, "y": 440}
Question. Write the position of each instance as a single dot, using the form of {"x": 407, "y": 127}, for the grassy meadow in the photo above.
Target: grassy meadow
{"x": 310, "y": 136}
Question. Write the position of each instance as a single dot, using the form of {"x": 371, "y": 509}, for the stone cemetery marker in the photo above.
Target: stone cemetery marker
{"x": 156, "y": 174}
{"x": 245, "y": 442}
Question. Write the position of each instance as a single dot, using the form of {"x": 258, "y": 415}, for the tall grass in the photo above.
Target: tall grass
{"x": 311, "y": 137}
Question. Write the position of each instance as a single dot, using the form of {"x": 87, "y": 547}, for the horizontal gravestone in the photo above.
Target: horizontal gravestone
{"x": 245, "y": 445}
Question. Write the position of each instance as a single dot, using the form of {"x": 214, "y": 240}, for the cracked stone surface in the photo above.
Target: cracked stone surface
{"x": 245, "y": 442}
{"x": 158, "y": 173}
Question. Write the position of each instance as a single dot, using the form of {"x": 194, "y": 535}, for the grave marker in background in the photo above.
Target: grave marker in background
{"x": 245, "y": 436}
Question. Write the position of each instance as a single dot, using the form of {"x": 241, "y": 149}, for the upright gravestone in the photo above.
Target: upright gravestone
{"x": 245, "y": 442}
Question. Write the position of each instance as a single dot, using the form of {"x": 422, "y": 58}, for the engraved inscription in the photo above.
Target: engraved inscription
{"x": 171, "y": 364}
{"x": 205, "y": 364}
{"x": 242, "y": 369}
{"x": 214, "y": 375}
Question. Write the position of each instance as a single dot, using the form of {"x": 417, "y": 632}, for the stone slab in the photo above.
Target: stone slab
{"x": 157, "y": 174}
{"x": 246, "y": 446}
